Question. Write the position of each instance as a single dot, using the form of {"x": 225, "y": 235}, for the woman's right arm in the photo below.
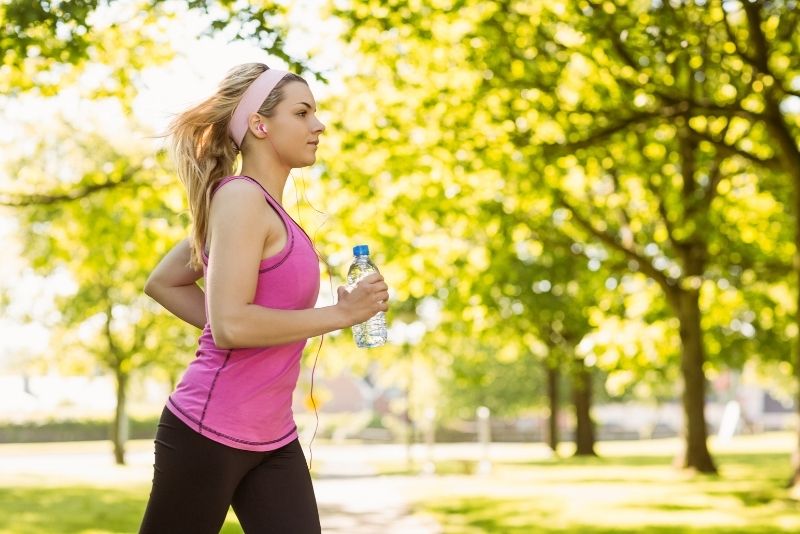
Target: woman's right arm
{"x": 174, "y": 285}
{"x": 238, "y": 232}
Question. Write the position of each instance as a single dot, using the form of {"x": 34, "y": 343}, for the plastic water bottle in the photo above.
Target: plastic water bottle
{"x": 372, "y": 332}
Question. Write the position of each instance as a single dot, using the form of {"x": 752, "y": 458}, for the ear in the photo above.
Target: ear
{"x": 257, "y": 126}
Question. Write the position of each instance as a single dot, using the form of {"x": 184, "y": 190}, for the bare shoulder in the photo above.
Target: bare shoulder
{"x": 240, "y": 207}
{"x": 237, "y": 208}
{"x": 237, "y": 196}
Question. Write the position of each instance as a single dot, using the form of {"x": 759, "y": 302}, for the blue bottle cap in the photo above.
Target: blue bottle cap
{"x": 361, "y": 250}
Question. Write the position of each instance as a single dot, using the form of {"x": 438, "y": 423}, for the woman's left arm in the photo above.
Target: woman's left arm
{"x": 173, "y": 284}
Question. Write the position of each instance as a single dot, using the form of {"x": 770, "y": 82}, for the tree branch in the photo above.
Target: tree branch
{"x": 772, "y": 163}
{"x": 702, "y": 106}
{"x": 604, "y": 133}
{"x": 732, "y": 37}
{"x": 662, "y": 210}
{"x": 619, "y": 47}
{"x": 44, "y": 199}
{"x": 761, "y": 45}
{"x": 757, "y": 37}
{"x": 625, "y": 218}
{"x": 608, "y": 239}
{"x": 714, "y": 178}
{"x": 708, "y": 107}
{"x": 788, "y": 30}
{"x": 791, "y": 92}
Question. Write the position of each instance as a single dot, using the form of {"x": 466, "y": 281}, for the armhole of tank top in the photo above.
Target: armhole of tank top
{"x": 278, "y": 209}
{"x": 269, "y": 263}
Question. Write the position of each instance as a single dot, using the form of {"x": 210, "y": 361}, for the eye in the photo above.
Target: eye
{"x": 302, "y": 113}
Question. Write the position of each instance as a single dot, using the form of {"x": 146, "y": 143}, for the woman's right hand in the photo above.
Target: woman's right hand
{"x": 368, "y": 297}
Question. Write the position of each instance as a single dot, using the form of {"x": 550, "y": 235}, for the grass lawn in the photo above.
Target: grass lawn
{"x": 77, "y": 509}
{"x": 73, "y": 487}
{"x": 628, "y": 489}
{"x": 631, "y": 487}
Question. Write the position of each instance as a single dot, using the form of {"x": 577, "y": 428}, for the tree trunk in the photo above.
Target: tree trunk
{"x": 119, "y": 430}
{"x": 582, "y": 399}
{"x": 790, "y": 160}
{"x": 553, "y": 376}
{"x": 409, "y": 422}
{"x": 696, "y": 455}
{"x": 795, "y": 480}
{"x": 789, "y": 155}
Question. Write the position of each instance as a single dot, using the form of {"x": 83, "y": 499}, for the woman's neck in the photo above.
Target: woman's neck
{"x": 271, "y": 177}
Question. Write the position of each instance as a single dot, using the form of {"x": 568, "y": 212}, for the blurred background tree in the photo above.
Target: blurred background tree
{"x": 650, "y": 130}
{"x": 559, "y": 192}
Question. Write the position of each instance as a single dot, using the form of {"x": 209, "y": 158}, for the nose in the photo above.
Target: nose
{"x": 319, "y": 127}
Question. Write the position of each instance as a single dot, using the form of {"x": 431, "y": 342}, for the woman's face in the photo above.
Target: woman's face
{"x": 294, "y": 129}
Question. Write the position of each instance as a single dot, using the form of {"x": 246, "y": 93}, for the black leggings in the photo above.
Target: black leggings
{"x": 196, "y": 479}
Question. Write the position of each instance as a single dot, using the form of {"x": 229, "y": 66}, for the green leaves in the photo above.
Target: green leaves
{"x": 107, "y": 230}
{"x": 45, "y": 46}
{"x": 60, "y": 31}
{"x": 551, "y": 174}
{"x": 634, "y": 131}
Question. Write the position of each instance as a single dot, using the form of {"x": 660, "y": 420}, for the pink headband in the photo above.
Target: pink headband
{"x": 251, "y": 100}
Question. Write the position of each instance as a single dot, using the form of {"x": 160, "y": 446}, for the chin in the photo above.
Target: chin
{"x": 305, "y": 162}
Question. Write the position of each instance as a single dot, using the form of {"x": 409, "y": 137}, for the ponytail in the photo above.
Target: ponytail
{"x": 201, "y": 147}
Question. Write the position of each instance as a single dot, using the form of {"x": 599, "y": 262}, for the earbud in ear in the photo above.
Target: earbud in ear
{"x": 262, "y": 128}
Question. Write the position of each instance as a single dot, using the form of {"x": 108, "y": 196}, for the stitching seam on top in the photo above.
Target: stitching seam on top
{"x": 211, "y": 390}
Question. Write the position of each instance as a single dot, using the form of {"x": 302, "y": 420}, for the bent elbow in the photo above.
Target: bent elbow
{"x": 221, "y": 332}
{"x": 150, "y": 288}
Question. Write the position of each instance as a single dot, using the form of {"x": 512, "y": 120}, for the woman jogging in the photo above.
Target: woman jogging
{"x": 227, "y": 435}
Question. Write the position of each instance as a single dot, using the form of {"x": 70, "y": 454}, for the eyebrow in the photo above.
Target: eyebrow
{"x": 306, "y": 104}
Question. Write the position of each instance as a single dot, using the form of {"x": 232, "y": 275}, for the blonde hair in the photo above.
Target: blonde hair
{"x": 203, "y": 152}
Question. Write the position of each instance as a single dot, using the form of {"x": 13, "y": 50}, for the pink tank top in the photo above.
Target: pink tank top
{"x": 243, "y": 397}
